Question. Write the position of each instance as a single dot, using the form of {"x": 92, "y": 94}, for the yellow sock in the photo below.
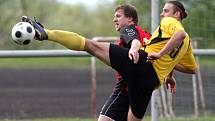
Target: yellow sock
{"x": 70, "y": 40}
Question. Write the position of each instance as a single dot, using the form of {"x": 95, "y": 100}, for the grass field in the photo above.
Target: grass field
{"x": 67, "y": 62}
{"x": 49, "y": 63}
{"x": 205, "y": 118}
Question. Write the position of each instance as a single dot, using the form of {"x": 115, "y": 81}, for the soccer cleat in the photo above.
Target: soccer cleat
{"x": 39, "y": 29}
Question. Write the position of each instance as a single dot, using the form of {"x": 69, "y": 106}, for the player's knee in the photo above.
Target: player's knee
{"x": 104, "y": 118}
{"x": 134, "y": 115}
{"x": 90, "y": 46}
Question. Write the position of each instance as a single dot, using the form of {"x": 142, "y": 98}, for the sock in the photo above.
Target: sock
{"x": 70, "y": 40}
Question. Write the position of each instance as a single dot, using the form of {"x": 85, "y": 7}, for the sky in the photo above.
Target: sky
{"x": 85, "y": 2}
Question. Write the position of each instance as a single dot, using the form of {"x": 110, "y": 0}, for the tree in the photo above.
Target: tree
{"x": 54, "y": 15}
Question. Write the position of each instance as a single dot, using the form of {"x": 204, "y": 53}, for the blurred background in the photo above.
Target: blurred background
{"x": 60, "y": 87}
{"x": 95, "y": 18}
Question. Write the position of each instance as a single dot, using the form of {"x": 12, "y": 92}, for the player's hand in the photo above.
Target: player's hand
{"x": 153, "y": 56}
{"x": 171, "y": 84}
{"x": 133, "y": 55}
{"x": 39, "y": 29}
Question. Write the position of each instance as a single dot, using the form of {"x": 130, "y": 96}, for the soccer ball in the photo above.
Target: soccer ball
{"x": 23, "y": 33}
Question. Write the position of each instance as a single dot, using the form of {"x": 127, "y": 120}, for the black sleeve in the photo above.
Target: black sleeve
{"x": 128, "y": 34}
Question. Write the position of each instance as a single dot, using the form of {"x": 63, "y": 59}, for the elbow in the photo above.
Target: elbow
{"x": 183, "y": 34}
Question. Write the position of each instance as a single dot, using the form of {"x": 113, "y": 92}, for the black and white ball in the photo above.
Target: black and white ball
{"x": 23, "y": 33}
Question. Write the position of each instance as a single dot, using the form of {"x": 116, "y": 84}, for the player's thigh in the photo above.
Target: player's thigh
{"x": 131, "y": 116}
{"x": 119, "y": 59}
{"x": 142, "y": 80}
{"x": 104, "y": 118}
{"x": 99, "y": 50}
{"x": 138, "y": 106}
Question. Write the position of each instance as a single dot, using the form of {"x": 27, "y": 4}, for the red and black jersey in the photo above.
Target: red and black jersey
{"x": 127, "y": 35}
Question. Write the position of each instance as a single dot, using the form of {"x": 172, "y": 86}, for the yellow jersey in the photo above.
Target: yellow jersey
{"x": 182, "y": 55}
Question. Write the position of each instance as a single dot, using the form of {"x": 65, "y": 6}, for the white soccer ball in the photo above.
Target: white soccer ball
{"x": 23, "y": 33}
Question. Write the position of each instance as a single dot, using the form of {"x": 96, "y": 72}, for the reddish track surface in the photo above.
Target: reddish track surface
{"x": 50, "y": 93}
{"x": 32, "y": 93}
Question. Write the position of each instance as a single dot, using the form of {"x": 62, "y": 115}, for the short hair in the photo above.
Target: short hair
{"x": 129, "y": 11}
{"x": 179, "y": 7}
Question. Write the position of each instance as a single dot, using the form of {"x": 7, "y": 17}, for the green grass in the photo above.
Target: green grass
{"x": 69, "y": 62}
{"x": 207, "y": 60}
{"x": 43, "y": 62}
{"x": 50, "y": 119}
{"x": 51, "y": 62}
{"x": 204, "y": 118}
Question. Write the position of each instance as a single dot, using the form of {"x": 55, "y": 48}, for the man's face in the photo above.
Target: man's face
{"x": 120, "y": 20}
{"x": 168, "y": 11}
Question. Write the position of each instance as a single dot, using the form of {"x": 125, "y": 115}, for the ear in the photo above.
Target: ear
{"x": 130, "y": 19}
{"x": 177, "y": 14}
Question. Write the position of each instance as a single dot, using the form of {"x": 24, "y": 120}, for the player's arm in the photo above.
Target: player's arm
{"x": 173, "y": 27}
{"x": 171, "y": 82}
{"x": 172, "y": 43}
{"x": 187, "y": 64}
{"x": 128, "y": 34}
{"x": 130, "y": 38}
{"x": 133, "y": 52}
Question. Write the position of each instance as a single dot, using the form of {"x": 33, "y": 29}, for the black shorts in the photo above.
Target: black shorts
{"x": 116, "y": 107}
{"x": 141, "y": 78}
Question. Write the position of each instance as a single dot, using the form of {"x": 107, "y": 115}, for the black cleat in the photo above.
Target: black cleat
{"x": 39, "y": 29}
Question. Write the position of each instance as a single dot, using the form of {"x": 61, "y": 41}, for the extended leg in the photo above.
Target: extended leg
{"x": 99, "y": 50}
{"x": 71, "y": 40}
{"x": 75, "y": 41}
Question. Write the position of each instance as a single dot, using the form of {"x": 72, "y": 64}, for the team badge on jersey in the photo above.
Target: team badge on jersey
{"x": 130, "y": 32}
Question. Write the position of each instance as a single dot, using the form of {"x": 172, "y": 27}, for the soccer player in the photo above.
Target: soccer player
{"x": 143, "y": 68}
{"x": 126, "y": 23}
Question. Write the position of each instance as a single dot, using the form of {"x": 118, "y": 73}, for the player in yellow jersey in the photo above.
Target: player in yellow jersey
{"x": 143, "y": 68}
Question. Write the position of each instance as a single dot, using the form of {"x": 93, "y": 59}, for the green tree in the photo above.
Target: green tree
{"x": 98, "y": 21}
{"x": 55, "y": 15}
{"x": 200, "y": 23}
